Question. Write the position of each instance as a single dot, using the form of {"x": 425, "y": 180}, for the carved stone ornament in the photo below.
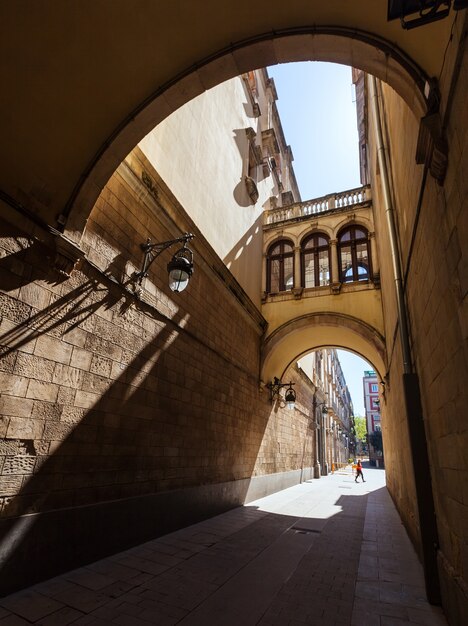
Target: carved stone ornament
{"x": 297, "y": 292}
{"x": 251, "y": 134}
{"x": 149, "y": 183}
{"x": 251, "y": 189}
{"x": 335, "y": 288}
{"x": 432, "y": 148}
{"x": 270, "y": 142}
{"x": 439, "y": 160}
{"x": 67, "y": 255}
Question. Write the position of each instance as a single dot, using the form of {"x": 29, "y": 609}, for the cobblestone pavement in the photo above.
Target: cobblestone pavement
{"x": 328, "y": 552}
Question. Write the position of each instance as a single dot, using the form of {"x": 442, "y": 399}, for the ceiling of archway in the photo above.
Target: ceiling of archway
{"x": 73, "y": 72}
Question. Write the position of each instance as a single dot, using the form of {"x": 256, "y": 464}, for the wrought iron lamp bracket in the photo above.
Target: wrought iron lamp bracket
{"x": 153, "y": 250}
{"x": 275, "y": 387}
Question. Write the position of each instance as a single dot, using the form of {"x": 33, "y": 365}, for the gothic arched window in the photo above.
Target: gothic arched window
{"x": 280, "y": 266}
{"x": 315, "y": 261}
{"x": 353, "y": 254}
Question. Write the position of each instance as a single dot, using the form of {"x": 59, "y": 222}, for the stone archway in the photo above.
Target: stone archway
{"x": 317, "y": 330}
{"x": 361, "y": 49}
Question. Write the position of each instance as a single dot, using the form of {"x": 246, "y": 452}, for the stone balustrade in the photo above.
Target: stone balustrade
{"x": 316, "y": 206}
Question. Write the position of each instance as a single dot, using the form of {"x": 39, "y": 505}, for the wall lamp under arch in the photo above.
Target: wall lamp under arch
{"x": 179, "y": 268}
{"x": 324, "y": 408}
{"x": 289, "y": 396}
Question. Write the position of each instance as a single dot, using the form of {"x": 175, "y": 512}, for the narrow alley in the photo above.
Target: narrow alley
{"x": 328, "y": 552}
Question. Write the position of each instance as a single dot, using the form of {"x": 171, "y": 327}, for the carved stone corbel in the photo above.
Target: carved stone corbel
{"x": 335, "y": 288}
{"x": 149, "y": 184}
{"x": 251, "y": 189}
{"x": 432, "y": 148}
{"x": 67, "y": 255}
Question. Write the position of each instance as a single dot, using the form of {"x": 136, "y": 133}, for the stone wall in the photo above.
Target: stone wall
{"x": 127, "y": 417}
{"x": 432, "y": 225}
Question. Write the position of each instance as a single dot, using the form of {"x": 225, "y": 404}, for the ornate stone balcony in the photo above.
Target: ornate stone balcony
{"x": 317, "y": 206}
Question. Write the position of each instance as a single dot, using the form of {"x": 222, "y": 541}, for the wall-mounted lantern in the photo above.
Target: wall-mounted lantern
{"x": 179, "y": 268}
{"x": 289, "y": 396}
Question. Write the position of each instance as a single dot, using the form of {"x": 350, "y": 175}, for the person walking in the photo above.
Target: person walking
{"x": 359, "y": 471}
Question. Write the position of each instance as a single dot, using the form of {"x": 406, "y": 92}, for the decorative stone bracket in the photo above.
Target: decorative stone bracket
{"x": 251, "y": 189}
{"x": 252, "y": 96}
{"x": 432, "y": 148}
{"x": 67, "y": 255}
{"x": 150, "y": 184}
{"x": 270, "y": 142}
{"x": 335, "y": 288}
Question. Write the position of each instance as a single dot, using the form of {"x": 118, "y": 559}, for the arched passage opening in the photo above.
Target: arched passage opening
{"x": 313, "y": 331}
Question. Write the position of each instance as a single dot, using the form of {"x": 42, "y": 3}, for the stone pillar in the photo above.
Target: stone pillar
{"x": 317, "y": 471}
{"x": 374, "y": 259}
{"x": 334, "y": 274}
{"x": 335, "y": 458}
{"x": 297, "y": 267}
{"x": 264, "y": 273}
{"x": 325, "y": 446}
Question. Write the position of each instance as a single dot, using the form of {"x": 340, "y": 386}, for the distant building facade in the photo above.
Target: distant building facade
{"x": 332, "y": 409}
{"x": 372, "y": 407}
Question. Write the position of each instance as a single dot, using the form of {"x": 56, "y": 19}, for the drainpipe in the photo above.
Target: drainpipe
{"x": 414, "y": 414}
{"x": 390, "y": 215}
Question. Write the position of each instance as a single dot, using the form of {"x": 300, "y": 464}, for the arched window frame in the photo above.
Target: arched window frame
{"x": 352, "y": 243}
{"x": 285, "y": 253}
{"x": 316, "y": 249}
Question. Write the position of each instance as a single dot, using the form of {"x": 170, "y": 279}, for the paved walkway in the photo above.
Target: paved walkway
{"x": 328, "y": 552}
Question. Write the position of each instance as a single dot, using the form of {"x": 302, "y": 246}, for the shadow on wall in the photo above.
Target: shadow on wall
{"x": 241, "y": 191}
{"x": 114, "y": 416}
{"x": 253, "y": 238}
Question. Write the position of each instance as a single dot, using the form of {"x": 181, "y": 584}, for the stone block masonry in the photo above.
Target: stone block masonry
{"x": 123, "y": 419}
{"x": 432, "y": 225}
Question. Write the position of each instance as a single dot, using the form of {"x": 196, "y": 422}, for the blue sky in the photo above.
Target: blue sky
{"x": 315, "y": 102}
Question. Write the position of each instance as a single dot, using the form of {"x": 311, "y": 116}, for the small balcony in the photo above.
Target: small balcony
{"x": 341, "y": 201}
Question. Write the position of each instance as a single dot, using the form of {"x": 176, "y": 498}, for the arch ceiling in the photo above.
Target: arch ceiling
{"x": 83, "y": 82}
{"x": 314, "y": 331}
